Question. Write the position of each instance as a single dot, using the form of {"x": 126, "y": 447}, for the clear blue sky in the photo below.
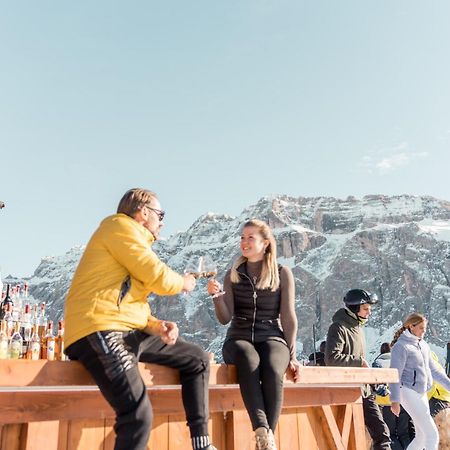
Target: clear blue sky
{"x": 212, "y": 104}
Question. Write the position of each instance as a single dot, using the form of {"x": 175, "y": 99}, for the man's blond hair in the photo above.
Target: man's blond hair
{"x": 133, "y": 200}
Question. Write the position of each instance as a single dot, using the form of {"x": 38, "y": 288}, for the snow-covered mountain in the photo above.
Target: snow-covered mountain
{"x": 398, "y": 247}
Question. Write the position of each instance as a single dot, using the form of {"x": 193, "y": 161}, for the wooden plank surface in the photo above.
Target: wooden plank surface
{"x": 323, "y": 411}
{"x": 19, "y": 407}
{"x": 24, "y": 372}
{"x": 66, "y": 373}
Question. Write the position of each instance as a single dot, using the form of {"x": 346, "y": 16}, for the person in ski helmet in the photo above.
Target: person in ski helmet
{"x": 345, "y": 347}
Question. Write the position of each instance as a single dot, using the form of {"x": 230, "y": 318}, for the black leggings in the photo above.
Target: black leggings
{"x": 260, "y": 371}
{"x": 112, "y": 356}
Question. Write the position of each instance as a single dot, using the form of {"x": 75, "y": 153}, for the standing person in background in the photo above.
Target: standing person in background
{"x": 109, "y": 325}
{"x": 319, "y": 356}
{"x": 410, "y": 355}
{"x": 439, "y": 401}
{"x": 346, "y": 348}
{"x": 401, "y": 428}
{"x": 259, "y": 300}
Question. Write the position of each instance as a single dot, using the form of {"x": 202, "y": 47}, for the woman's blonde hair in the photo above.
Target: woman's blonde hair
{"x": 270, "y": 278}
{"x": 413, "y": 319}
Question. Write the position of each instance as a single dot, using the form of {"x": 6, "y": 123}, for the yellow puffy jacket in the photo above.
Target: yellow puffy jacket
{"x": 116, "y": 273}
{"x": 437, "y": 391}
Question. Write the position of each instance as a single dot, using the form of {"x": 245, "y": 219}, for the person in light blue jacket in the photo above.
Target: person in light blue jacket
{"x": 411, "y": 356}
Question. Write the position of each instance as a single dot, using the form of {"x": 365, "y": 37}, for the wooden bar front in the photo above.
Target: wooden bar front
{"x": 56, "y": 406}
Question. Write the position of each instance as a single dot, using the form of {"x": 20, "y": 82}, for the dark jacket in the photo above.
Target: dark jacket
{"x": 346, "y": 344}
{"x": 345, "y": 341}
{"x": 256, "y": 312}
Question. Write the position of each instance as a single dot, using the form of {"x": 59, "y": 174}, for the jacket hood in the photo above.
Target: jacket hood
{"x": 408, "y": 338}
{"x": 345, "y": 317}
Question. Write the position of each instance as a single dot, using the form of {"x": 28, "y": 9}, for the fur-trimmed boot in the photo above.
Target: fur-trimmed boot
{"x": 264, "y": 439}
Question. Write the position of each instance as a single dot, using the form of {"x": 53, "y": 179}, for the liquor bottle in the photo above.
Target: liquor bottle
{"x": 8, "y": 319}
{"x": 6, "y": 301}
{"x": 17, "y": 300}
{"x": 59, "y": 342}
{"x": 15, "y": 345}
{"x": 42, "y": 322}
{"x": 25, "y": 293}
{"x": 34, "y": 347}
{"x": 48, "y": 349}
{"x": 25, "y": 329}
{"x": 3, "y": 341}
{"x": 35, "y": 316}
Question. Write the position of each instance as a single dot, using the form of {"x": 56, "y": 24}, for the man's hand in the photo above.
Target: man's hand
{"x": 395, "y": 408}
{"x": 189, "y": 282}
{"x": 168, "y": 332}
{"x": 364, "y": 363}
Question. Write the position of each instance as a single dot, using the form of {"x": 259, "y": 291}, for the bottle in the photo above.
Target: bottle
{"x": 18, "y": 303}
{"x": 59, "y": 342}
{"x": 25, "y": 329}
{"x": 9, "y": 321}
{"x": 34, "y": 347}
{"x": 3, "y": 341}
{"x": 15, "y": 345}
{"x": 48, "y": 350}
{"x": 6, "y": 301}
{"x": 42, "y": 322}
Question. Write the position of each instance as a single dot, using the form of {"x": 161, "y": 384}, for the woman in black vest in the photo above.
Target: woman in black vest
{"x": 259, "y": 300}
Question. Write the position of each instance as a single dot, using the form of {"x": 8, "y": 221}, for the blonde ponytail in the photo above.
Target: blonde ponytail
{"x": 397, "y": 335}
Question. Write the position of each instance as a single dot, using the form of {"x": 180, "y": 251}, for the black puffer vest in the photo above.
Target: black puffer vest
{"x": 256, "y": 312}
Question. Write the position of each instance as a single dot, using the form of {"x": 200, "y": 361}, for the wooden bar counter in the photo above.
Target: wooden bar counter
{"x": 51, "y": 405}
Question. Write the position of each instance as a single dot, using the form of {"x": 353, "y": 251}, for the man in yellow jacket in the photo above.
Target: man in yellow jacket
{"x": 109, "y": 325}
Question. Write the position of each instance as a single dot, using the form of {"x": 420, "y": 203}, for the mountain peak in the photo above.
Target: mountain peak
{"x": 396, "y": 246}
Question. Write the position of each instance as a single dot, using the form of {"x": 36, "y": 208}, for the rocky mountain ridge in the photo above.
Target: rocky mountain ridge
{"x": 396, "y": 246}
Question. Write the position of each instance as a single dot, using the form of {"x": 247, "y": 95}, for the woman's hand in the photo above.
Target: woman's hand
{"x": 294, "y": 365}
{"x": 214, "y": 287}
{"x": 395, "y": 408}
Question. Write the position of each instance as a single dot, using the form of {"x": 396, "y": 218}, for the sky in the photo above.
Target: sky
{"x": 212, "y": 105}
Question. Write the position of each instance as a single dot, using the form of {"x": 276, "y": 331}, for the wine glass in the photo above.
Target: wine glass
{"x": 194, "y": 266}
{"x": 202, "y": 267}
{"x": 210, "y": 271}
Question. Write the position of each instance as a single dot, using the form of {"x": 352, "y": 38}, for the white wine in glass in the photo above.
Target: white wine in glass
{"x": 210, "y": 271}
{"x": 202, "y": 267}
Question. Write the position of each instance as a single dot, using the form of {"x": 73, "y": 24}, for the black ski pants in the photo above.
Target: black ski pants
{"x": 112, "y": 359}
{"x": 260, "y": 370}
{"x": 378, "y": 430}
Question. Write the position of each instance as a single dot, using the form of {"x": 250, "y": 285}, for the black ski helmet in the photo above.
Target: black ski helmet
{"x": 356, "y": 297}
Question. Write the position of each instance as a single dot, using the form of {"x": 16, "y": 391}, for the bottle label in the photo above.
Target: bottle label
{"x": 51, "y": 350}
{"x": 35, "y": 350}
{"x": 16, "y": 348}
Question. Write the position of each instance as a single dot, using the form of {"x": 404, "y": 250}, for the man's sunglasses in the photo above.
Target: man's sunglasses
{"x": 160, "y": 213}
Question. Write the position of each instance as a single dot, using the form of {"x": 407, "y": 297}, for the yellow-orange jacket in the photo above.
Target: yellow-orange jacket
{"x": 438, "y": 391}
{"x": 117, "y": 260}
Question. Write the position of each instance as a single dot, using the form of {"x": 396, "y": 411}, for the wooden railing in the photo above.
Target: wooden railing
{"x": 56, "y": 406}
